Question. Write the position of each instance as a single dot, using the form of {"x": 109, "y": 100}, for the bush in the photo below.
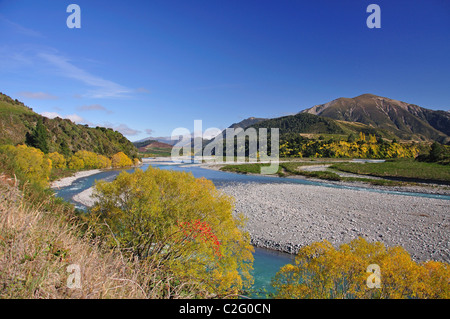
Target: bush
{"x": 321, "y": 271}
{"x": 103, "y": 162}
{"x": 183, "y": 224}
{"x": 58, "y": 160}
{"x": 90, "y": 159}
{"x": 30, "y": 163}
{"x": 121, "y": 160}
{"x": 76, "y": 163}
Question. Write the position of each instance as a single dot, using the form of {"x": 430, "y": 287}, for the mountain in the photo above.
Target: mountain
{"x": 400, "y": 119}
{"x": 149, "y": 146}
{"x": 162, "y": 139}
{"x": 18, "y": 121}
{"x": 247, "y": 122}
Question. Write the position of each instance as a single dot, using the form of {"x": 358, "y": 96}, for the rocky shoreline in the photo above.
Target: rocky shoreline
{"x": 67, "y": 181}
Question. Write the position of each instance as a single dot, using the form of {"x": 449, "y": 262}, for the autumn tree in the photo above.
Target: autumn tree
{"x": 178, "y": 222}
{"x": 31, "y": 162}
{"x": 58, "y": 160}
{"x": 103, "y": 162}
{"x": 120, "y": 159}
{"x": 90, "y": 159}
{"x": 321, "y": 271}
{"x": 76, "y": 163}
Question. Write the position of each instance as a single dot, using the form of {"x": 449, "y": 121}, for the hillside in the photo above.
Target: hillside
{"x": 64, "y": 136}
{"x": 400, "y": 119}
{"x": 313, "y": 124}
{"x": 153, "y": 147}
{"x": 142, "y": 146}
{"x": 247, "y": 122}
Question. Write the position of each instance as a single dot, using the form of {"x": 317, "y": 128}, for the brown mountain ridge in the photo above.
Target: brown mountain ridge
{"x": 405, "y": 120}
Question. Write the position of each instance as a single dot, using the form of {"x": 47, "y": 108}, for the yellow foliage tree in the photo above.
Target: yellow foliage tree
{"x": 372, "y": 139}
{"x": 90, "y": 159}
{"x": 121, "y": 160}
{"x": 179, "y": 222}
{"x": 321, "y": 271}
{"x": 58, "y": 160}
{"x": 86, "y": 159}
{"x": 76, "y": 163}
{"x": 31, "y": 162}
{"x": 103, "y": 162}
{"x": 362, "y": 137}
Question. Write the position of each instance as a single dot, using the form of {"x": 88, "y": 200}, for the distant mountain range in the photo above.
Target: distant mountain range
{"x": 367, "y": 113}
{"x": 404, "y": 120}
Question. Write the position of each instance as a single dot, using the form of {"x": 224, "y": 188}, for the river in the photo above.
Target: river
{"x": 266, "y": 262}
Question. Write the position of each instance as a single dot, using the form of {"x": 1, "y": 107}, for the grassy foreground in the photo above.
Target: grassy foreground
{"x": 40, "y": 238}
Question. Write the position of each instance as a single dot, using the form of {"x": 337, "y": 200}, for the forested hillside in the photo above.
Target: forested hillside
{"x": 19, "y": 124}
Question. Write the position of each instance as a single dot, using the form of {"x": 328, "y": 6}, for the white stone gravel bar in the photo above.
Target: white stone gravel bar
{"x": 286, "y": 217}
{"x": 67, "y": 181}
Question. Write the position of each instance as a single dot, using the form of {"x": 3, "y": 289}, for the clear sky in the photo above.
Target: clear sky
{"x": 148, "y": 67}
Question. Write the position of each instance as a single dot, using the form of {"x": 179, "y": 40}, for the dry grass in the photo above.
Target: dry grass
{"x": 37, "y": 246}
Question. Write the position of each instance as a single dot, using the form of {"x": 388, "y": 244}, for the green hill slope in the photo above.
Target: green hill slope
{"x": 312, "y": 124}
{"x": 64, "y": 136}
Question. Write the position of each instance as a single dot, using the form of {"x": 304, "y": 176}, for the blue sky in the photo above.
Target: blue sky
{"x": 148, "y": 67}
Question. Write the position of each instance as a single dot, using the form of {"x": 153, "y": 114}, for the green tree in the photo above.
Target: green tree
{"x": 38, "y": 137}
{"x": 65, "y": 150}
{"x": 436, "y": 152}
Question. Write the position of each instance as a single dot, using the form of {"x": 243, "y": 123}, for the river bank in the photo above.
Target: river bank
{"x": 285, "y": 217}
{"x": 425, "y": 188}
{"x": 67, "y": 181}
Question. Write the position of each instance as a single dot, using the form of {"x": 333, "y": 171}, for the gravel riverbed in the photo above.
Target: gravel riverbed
{"x": 286, "y": 217}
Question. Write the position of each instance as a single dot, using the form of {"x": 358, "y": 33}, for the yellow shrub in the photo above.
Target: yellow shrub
{"x": 121, "y": 160}
{"x": 31, "y": 162}
{"x": 58, "y": 160}
{"x": 76, "y": 163}
{"x": 182, "y": 223}
{"x": 89, "y": 159}
{"x": 103, "y": 162}
{"x": 321, "y": 271}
